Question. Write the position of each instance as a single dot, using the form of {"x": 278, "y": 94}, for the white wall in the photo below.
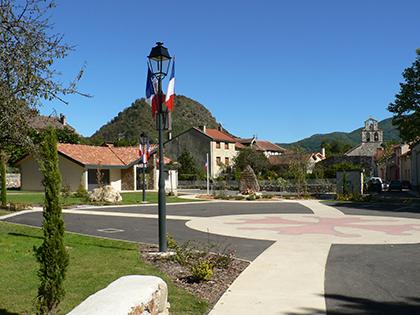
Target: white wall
{"x": 30, "y": 175}
{"x": 71, "y": 174}
{"x": 115, "y": 178}
{"x": 171, "y": 181}
{"x": 223, "y": 153}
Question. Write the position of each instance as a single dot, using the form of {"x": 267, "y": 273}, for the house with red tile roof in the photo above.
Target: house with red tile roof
{"x": 80, "y": 165}
{"x": 267, "y": 147}
{"x": 221, "y": 148}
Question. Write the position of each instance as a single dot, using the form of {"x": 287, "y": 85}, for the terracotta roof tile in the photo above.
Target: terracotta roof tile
{"x": 268, "y": 146}
{"x": 219, "y": 135}
{"x": 104, "y": 155}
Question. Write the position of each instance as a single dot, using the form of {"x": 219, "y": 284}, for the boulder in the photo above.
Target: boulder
{"x": 248, "y": 183}
{"x": 105, "y": 194}
{"x": 132, "y": 295}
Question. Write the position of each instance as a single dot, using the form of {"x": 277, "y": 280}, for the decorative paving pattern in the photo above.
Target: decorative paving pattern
{"x": 326, "y": 226}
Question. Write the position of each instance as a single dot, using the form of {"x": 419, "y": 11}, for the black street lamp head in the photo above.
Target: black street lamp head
{"x": 159, "y": 60}
{"x": 143, "y": 138}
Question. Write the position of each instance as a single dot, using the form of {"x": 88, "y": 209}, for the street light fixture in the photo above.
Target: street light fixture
{"x": 159, "y": 61}
{"x": 144, "y": 140}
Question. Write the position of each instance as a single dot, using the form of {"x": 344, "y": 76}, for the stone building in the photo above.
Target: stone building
{"x": 200, "y": 142}
{"x": 371, "y": 140}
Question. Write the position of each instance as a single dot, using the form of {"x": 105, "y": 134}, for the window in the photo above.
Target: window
{"x": 226, "y": 146}
{"x": 226, "y": 161}
{"x": 94, "y": 175}
{"x": 217, "y": 145}
{"x": 218, "y": 160}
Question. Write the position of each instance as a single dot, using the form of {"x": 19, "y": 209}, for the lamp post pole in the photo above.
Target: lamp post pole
{"x": 159, "y": 60}
{"x": 161, "y": 191}
{"x": 144, "y": 140}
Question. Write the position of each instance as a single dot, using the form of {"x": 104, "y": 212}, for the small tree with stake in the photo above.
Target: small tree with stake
{"x": 52, "y": 254}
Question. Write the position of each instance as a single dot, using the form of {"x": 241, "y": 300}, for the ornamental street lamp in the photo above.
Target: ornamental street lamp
{"x": 144, "y": 141}
{"x": 159, "y": 61}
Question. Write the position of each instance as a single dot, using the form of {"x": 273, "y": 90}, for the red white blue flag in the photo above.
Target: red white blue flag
{"x": 170, "y": 95}
{"x": 144, "y": 151}
{"x": 151, "y": 98}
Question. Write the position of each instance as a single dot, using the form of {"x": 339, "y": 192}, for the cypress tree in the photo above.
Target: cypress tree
{"x": 3, "y": 196}
{"x": 52, "y": 254}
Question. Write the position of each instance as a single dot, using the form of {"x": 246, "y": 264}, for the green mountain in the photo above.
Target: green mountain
{"x": 127, "y": 126}
{"x": 313, "y": 143}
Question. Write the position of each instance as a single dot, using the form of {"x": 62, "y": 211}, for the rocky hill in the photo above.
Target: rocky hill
{"x": 137, "y": 118}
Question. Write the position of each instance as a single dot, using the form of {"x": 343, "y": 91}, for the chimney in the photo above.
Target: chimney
{"x": 323, "y": 152}
{"x": 62, "y": 120}
{"x": 203, "y": 128}
{"x": 220, "y": 128}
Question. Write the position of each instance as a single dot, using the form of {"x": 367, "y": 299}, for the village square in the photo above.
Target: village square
{"x": 172, "y": 205}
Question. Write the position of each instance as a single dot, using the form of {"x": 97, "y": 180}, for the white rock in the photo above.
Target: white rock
{"x": 128, "y": 295}
{"x": 106, "y": 194}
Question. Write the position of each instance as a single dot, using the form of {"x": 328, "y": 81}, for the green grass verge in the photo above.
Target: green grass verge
{"x": 129, "y": 198}
{"x": 94, "y": 263}
{"x": 4, "y": 212}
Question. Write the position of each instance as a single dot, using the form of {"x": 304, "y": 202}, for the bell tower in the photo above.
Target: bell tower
{"x": 371, "y": 132}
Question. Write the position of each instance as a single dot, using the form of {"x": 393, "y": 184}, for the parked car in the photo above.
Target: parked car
{"x": 385, "y": 185}
{"x": 375, "y": 184}
{"x": 395, "y": 185}
{"x": 406, "y": 184}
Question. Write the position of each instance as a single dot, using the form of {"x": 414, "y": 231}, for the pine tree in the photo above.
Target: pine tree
{"x": 51, "y": 255}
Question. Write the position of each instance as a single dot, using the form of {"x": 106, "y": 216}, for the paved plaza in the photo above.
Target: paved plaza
{"x": 308, "y": 257}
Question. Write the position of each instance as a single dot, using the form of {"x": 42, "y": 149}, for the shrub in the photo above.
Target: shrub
{"x": 18, "y": 206}
{"x": 171, "y": 242}
{"x": 81, "y": 192}
{"x": 202, "y": 270}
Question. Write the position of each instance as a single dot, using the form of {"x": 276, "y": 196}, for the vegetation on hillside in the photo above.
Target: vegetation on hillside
{"x": 127, "y": 126}
{"x": 313, "y": 143}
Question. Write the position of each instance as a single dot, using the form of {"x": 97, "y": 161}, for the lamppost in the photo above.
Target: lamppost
{"x": 159, "y": 61}
{"x": 144, "y": 140}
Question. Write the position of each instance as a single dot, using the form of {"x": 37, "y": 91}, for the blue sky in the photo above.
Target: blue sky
{"x": 282, "y": 70}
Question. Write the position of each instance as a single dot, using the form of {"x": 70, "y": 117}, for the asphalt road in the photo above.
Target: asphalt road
{"x": 360, "y": 279}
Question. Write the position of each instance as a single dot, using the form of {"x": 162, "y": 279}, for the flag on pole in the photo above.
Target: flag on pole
{"x": 170, "y": 95}
{"x": 144, "y": 151}
{"x": 151, "y": 92}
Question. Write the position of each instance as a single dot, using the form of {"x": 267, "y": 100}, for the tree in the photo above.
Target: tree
{"x": 335, "y": 147}
{"x": 3, "y": 181}
{"x": 406, "y": 107}
{"x": 298, "y": 170}
{"x": 187, "y": 168}
{"x": 249, "y": 156}
{"x": 52, "y": 254}
{"x": 28, "y": 51}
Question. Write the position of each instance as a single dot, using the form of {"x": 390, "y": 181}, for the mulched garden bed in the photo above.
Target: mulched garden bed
{"x": 210, "y": 290}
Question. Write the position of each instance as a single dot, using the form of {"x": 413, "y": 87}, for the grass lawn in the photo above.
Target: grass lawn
{"x": 4, "y": 212}
{"x": 94, "y": 263}
{"x": 37, "y": 198}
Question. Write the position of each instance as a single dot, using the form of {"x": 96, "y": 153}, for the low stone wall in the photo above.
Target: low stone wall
{"x": 132, "y": 295}
{"x": 12, "y": 181}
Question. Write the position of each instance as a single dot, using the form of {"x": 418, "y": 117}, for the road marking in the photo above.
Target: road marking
{"x": 110, "y": 230}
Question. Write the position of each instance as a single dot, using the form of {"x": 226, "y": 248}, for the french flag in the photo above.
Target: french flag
{"x": 170, "y": 95}
{"x": 151, "y": 92}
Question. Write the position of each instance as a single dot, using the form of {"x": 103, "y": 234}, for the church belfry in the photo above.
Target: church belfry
{"x": 371, "y": 132}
